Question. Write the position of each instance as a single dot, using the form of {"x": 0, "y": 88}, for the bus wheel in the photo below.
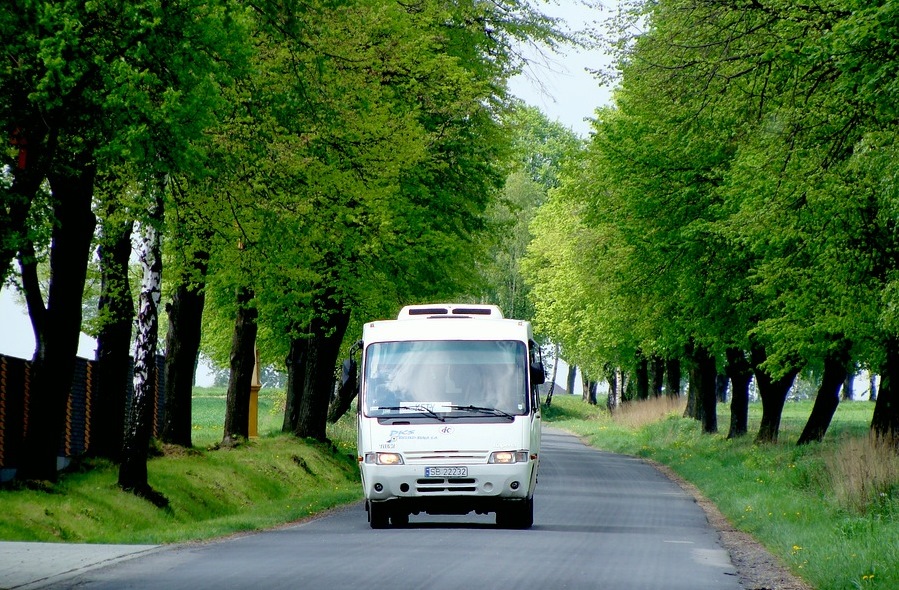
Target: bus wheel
{"x": 378, "y": 515}
{"x": 516, "y": 515}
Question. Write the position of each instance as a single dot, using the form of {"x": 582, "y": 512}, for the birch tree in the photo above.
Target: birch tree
{"x": 133, "y": 469}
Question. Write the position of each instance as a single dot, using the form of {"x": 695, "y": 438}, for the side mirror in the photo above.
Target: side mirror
{"x": 538, "y": 375}
{"x": 348, "y": 371}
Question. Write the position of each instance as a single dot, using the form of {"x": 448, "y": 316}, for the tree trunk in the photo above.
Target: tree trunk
{"x": 113, "y": 341}
{"x": 673, "y": 377}
{"x": 346, "y": 391}
{"x": 828, "y": 398}
{"x": 243, "y": 360}
{"x": 721, "y": 382}
{"x": 182, "y": 348}
{"x": 590, "y": 386}
{"x": 707, "y": 389}
{"x": 572, "y": 375}
{"x": 740, "y": 373}
{"x": 773, "y": 393}
{"x": 616, "y": 390}
{"x": 135, "y": 449}
{"x": 848, "y": 389}
{"x": 657, "y": 376}
{"x": 55, "y": 359}
{"x": 34, "y": 299}
{"x": 294, "y": 386}
{"x": 872, "y": 388}
{"x": 314, "y": 358}
{"x": 552, "y": 382}
{"x": 642, "y": 376}
{"x": 694, "y": 406}
{"x": 35, "y": 150}
{"x": 885, "y": 422}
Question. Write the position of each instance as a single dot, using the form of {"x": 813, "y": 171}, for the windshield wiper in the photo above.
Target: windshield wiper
{"x": 491, "y": 411}
{"x": 422, "y": 409}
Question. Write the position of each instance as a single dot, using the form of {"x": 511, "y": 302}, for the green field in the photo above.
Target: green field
{"x": 209, "y": 411}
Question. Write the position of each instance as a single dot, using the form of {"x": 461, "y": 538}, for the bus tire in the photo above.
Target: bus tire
{"x": 516, "y": 515}
{"x": 378, "y": 515}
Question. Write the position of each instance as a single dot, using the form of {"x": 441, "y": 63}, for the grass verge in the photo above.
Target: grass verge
{"x": 829, "y": 511}
{"x": 212, "y": 492}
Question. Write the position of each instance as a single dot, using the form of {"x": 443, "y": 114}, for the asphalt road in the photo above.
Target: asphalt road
{"x": 601, "y": 521}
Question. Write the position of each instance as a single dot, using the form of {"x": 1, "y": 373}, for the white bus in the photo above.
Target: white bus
{"x": 449, "y": 415}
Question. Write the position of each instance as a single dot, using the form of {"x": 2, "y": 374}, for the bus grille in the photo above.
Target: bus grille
{"x": 445, "y": 457}
{"x": 436, "y": 485}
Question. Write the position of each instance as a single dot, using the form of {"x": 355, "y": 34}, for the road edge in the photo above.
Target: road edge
{"x": 758, "y": 568}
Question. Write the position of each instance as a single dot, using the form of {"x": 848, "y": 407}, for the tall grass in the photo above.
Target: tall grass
{"x": 829, "y": 510}
{"x": 638, "y": 414}
{"x": 863, "y": 473}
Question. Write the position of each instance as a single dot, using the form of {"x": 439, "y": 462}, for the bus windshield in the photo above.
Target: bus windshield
{"x": 444, "y": 377}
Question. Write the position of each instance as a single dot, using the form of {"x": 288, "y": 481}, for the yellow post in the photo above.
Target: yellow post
{"x": 255, "y": 386}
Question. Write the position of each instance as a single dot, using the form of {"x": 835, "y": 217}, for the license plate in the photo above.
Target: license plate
{"x": 446, "y": 471}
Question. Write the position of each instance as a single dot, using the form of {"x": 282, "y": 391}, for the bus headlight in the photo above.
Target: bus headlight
{"x": 383, "y": 459}
{"x": 505, "y": 457}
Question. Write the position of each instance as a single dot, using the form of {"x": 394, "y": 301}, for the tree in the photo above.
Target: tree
{"x": 572, "y": 300}
{"x": 540, "y": 151}
{"x": 31, "y": 164}
{"x": 94, "y": 87}
{"x": 315, "y": 356}
{"x": 657, "y": 376}
{"x": 773, "y": 391}
{"x": 702, "y": 394}
{"x": 406, "y": 155}
{"x": 116, "y": 314}
{"x": 570, "y": 379}
{"x": 555, "y": 370}
{"x": 828, "y": 397}
{"x": 739, "y": 371}
{"x": 705, "y": 248}
{"x": 885, "y": 422}
{"x": 243, "y": 359}
{"x": 185, "y": 315}
{"x": 47, "y": 98}
{"x": 508, "y": 233}
{"x": 348, "y": 388}
{"x": 60, "y": 321}
{"x": 135, "y": 449}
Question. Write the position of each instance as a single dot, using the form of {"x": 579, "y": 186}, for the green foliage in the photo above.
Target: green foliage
{"x": 357, "y": 162}
{"x": 740, "y": 190}
{"x": 541, "y": 150}
{"x": 318, "y": 151}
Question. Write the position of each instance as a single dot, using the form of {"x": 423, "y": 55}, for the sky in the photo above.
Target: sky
{"x": 559, "y": 85}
